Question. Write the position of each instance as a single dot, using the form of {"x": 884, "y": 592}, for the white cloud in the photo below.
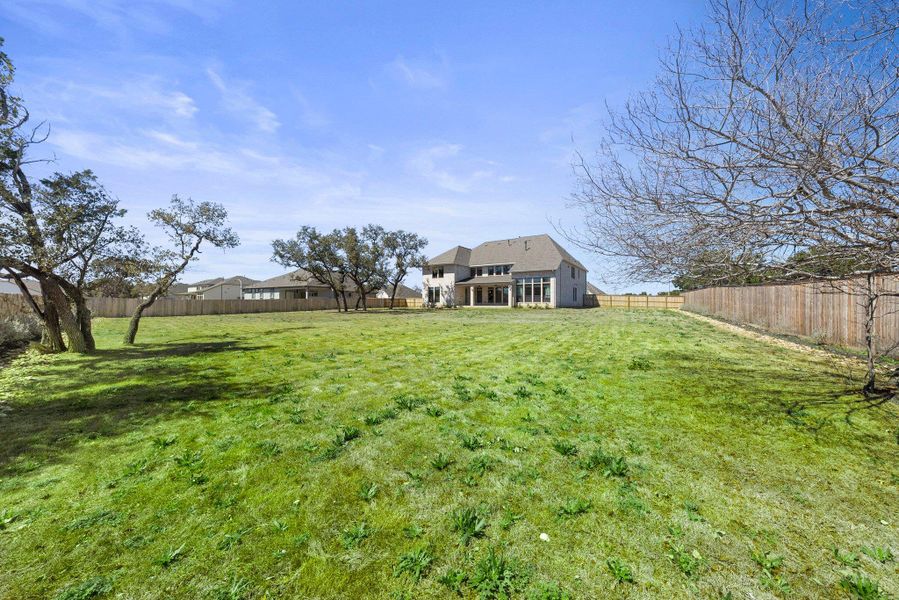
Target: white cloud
{"x": 418, "y": 74}
{"x": 309, "y": 115}
{"x": 445, "y": 166}
{"x": 238, "y": 101}
{"x": 116, "y": 16}
{"x": 137, "y": 95}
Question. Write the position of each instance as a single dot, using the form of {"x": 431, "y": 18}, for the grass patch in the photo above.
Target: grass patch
{"x": 421, "y": 454}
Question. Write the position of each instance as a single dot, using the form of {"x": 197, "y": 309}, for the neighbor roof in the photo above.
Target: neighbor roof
{"x": 10, "y": 287}
{"x": 403, "y": 291}
{"x": 526, "y": 253}
{"x": 236, "y": 280}
{"x": 295, "y": 279}
{"x": 592, "y": 289}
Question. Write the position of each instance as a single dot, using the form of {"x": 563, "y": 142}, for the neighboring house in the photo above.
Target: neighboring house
{"x": 10, "y": 287}
{"x": 297, "y": 284}
{"x": 592, "y": 289}
{"x": 402, "y": 291}
{"x": 525, "y": 271}
{"x": 219, "y": 288}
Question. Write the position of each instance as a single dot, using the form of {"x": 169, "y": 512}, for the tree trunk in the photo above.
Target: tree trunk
{"x": 83, "y": 314}
{"x": 393, "y": 293}
{"x": 870, "y": 338}
{"x": 52, "y": 336}
{"x": 346, "y": 307}
{"x": 68, "y": 321}
{"x": 131, "y": 334}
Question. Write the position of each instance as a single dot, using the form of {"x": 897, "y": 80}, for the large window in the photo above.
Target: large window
{"x": 494, "y": 295}
{"x": 437, "y": 272}
{"x": 433, "y": 295}
{"x": 533, "y": 289}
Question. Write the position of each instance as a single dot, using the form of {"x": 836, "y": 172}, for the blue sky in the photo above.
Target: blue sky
{"x": 455, "y": 120}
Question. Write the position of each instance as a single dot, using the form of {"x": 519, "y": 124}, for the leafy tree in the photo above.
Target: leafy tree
{"x": 318, "y": 254}
{"x": 188, "y": 225}
{"x": 55, "y": 230}
{"x": 364, "y": 258}
{"x": 403, "y": 251}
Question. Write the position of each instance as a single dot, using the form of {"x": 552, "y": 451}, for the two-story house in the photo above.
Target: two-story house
{"x": 525, "y": 271}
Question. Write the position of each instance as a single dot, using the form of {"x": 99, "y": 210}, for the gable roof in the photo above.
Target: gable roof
{"x": 526, "y": 253}
{"x": 403, "y": 291}
{"x": 294, "y": 279}
{"x": 459, "y": 255}
{"x": 216, "y": 281}
{"x": 592, "y": 289}
{"x": 10, "y": 287}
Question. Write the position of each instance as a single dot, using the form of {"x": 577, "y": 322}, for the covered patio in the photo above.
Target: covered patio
{"x": 495, "y": 290}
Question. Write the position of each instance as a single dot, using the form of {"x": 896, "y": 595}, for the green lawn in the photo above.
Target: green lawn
{"x": 425, "y": 455}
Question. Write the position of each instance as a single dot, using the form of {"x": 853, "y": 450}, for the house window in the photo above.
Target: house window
{"x": 479, "y": 272}
{"x": 490, "y": 295}
{"x": 533, "y": 289}
{"x": 437, "y": 272}
{"x": 574, "y": 295}
{"x": 478, "y": 295}
{"x": 506, "y": 269}
{"x": 433, "y": 295}
{"x": 572, "y": 273}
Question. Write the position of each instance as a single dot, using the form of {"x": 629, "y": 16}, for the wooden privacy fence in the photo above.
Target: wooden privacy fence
{"x": 177, "y": 307}
{"x": 12, "y": 305}
{"x": 609, "y": 301}
{"x": 819, "y": 310}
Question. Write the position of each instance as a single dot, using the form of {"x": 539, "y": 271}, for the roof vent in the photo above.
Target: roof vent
{"x": 525, "y": 245}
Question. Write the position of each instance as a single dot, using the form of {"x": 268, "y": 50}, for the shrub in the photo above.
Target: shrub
{"x": 19, "y": 329}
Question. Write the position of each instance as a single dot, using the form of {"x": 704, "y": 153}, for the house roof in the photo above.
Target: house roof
{"x": 459, "y": 255}
{"x": 487, "y": 279}
{"x": 592, "y": 289}
{"x": 209, "y": 283}
{"x": 294, "y": 279}
{"x": 526, "y": 253}
{"x": 403, "y": 291}
{"x": 10, "y": 287}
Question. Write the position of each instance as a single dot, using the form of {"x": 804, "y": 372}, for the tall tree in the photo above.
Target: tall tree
{"x": 772, "y": 129}
{"x": 403, "y": 252}
{"x": 53, "y": 230}
{"x": 188, "y": 225}
{"x": 318, "y": 254}
{"x": 364, "y": 254}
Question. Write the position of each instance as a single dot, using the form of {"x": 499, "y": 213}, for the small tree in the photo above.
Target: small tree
{"x": 188, "y": 225}
{"x": 403, "y": 251}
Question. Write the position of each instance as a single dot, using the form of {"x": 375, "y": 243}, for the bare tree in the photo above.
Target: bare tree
{"x": 188, "y": 225}
{"x": 403, "y": 251}
{"x": 771, "y": 130}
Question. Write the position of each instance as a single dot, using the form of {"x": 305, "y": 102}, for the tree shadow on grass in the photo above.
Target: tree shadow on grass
{"x": 113, "y": 392}
{"x": 811, "y": 401}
